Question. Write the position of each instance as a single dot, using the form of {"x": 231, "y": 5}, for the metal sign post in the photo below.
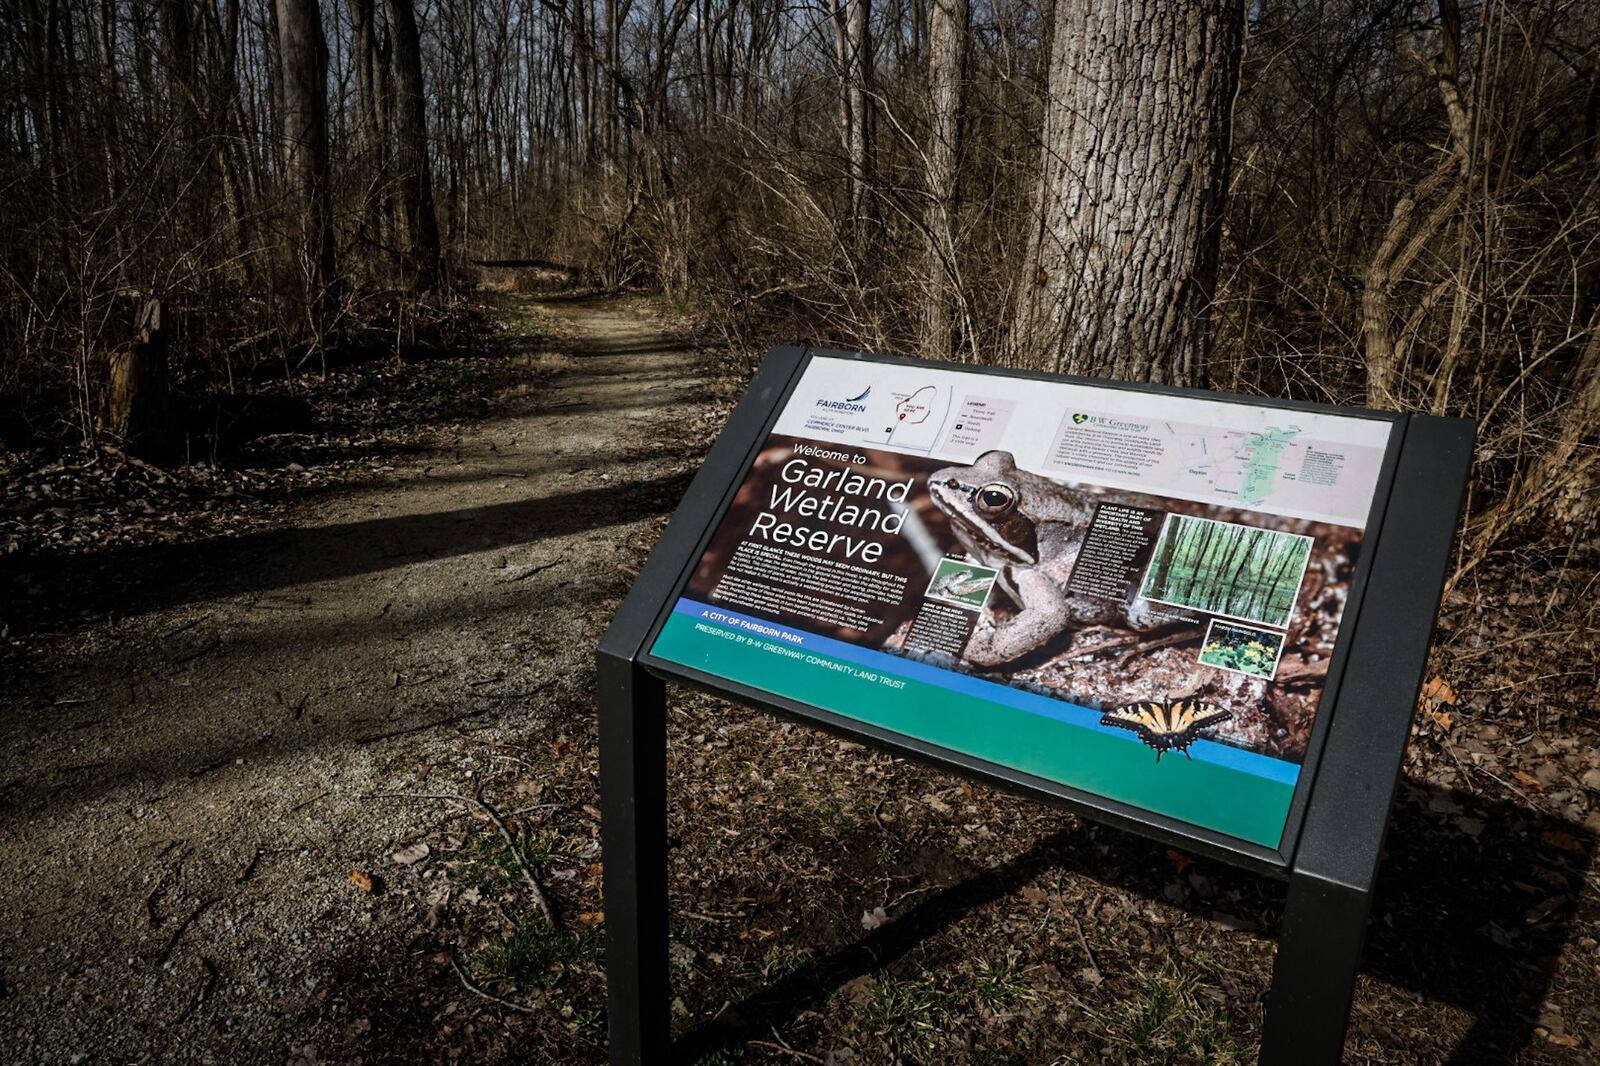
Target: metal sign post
{"x": 1333, "y": 831}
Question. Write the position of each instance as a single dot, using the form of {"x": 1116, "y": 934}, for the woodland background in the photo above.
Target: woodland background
{"x": 1387, "y": 202}
{"x": 258, "y": 247}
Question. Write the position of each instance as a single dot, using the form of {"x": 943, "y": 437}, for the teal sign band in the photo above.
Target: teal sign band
{"x": 1246, "y": 798}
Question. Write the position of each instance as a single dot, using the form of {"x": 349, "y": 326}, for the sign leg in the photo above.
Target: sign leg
{"x": 1319, "y": 954}
{"x": 633, "y": 833}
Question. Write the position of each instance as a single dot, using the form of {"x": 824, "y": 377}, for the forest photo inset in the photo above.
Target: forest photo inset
{"x": 1228, "y": 569}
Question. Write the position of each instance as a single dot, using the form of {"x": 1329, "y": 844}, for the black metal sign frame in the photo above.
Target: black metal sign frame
{"x": 1334, "y": 834}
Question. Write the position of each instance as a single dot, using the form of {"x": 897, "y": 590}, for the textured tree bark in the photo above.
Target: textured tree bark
{"x": 860, "y": 13}
{"x": 839, "y": 16}
{"x": 369, "y": 44}
{"x": 425, "y": 264}
{"x": 1122, "y": 265}
{"x": 947, "y": 61}
{"x": 613, "y": 61}
{"x": 852, "y": 54}
{"x": 303, "y": 77}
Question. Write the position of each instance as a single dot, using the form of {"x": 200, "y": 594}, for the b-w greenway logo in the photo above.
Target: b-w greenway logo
{"x": 1080, "y": 418}
{"x": 854, "y": 403}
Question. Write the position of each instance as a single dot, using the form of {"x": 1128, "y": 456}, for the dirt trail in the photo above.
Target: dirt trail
{"x": 181, "y": 804}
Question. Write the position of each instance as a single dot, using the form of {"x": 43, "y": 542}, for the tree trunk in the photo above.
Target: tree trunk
{"x": 1122, "y": 265}
{"x": 947, "y": 60}
{"x": 303, "y": 70}
{"x": 425, "y": 262}
{"x": 841, "y": 49}
{"x": 860, "y": 12}
{"x": 613, "y": 59}
{"x": 370, "y": 58}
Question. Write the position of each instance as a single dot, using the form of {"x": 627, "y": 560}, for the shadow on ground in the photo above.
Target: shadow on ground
{"x": 1452, "y": 920}
{"x": 44, "y": 591}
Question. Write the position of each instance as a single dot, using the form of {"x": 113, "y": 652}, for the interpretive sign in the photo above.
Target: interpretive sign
{"x": 1051, "y": 576}
{"x": 1147, "y": 604}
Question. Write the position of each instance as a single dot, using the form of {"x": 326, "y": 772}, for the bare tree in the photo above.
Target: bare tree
{"x": 1122, "y": 260}
{"x": 369, "y": 55}
{"x": 859, "y": 16}
{"x": 947, "y": 61}
{"x": 303, "y": 76}
{"x": 424, "y": 263}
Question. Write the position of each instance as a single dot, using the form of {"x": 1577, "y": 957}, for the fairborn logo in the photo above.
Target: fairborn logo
{"x": 854, "y": 403}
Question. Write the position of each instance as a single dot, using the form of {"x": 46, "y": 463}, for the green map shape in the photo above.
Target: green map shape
{"x": 1266, "y": 449}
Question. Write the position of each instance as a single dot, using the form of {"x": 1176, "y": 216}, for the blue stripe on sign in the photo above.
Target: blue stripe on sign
{"x": 1210, "y": 751}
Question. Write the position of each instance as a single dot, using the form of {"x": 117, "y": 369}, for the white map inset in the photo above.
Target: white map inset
{"x": 1321, "y": 466}
{"x": 919, "y": 415}
{"x": 1244, "y": 466}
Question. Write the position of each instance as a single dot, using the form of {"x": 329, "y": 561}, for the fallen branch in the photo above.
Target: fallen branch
{"x": 539, "y": 898}
{"x": 172, "y": 941}
{"x": 374, "y": 738}
{"x": 535, "y": 890}
{"x": 544, "y": 264}
{"x": 208, "y": 981}
{"x": 523, "y": 573}
{"x": 466, "y": 982}
{"x": 785, "y": 1049}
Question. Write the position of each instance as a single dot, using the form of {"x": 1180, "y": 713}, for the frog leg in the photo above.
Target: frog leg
{"x": 1044, "y": 614}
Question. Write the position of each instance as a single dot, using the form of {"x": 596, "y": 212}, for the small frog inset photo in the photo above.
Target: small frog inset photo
{"x": 962, "y": 583}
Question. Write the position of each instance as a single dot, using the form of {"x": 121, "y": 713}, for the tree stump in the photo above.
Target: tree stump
{"x": 138, "y": 407}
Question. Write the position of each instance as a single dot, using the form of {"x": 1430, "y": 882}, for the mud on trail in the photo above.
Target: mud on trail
{"x": 184, "y": 796}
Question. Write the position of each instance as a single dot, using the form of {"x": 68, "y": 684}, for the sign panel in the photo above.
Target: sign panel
{"x": 1130, "y": 593}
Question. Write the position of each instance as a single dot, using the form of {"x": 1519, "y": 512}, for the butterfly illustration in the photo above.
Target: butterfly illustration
{"x": 1170, "y": 726}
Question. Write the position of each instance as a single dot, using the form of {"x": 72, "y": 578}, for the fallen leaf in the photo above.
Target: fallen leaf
{"x": 592, "y": 811}
{"x": 412, "y": 855}
{"x": 1443, "y": 804}
{"x": 1034, "y": 894}
{"x": 1179, "y": 859}
{"x": 874, "y": 918}
{"x": 594, "y": 870}
{"x": 1439, "y": 689}
{"x": 858, "y": 989}
{"x": 1560, "y": 838}
{"x": 361, "y": 880}
{"x": 1472, "y": 827}
{"x": 1443, "y": 719}
{"x": 1527, "y": 781}
{"x": 471, "y": 897}
{"x": 1562, "y": 1039}
{"x": 592, "y": 917}
{"x": 1090, "y": 975}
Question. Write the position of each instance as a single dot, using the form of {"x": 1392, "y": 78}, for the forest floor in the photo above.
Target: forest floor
{"x": 280, "y": 792}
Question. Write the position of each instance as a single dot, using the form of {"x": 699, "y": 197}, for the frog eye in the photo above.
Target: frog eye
{"x": 996, "y": 498}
